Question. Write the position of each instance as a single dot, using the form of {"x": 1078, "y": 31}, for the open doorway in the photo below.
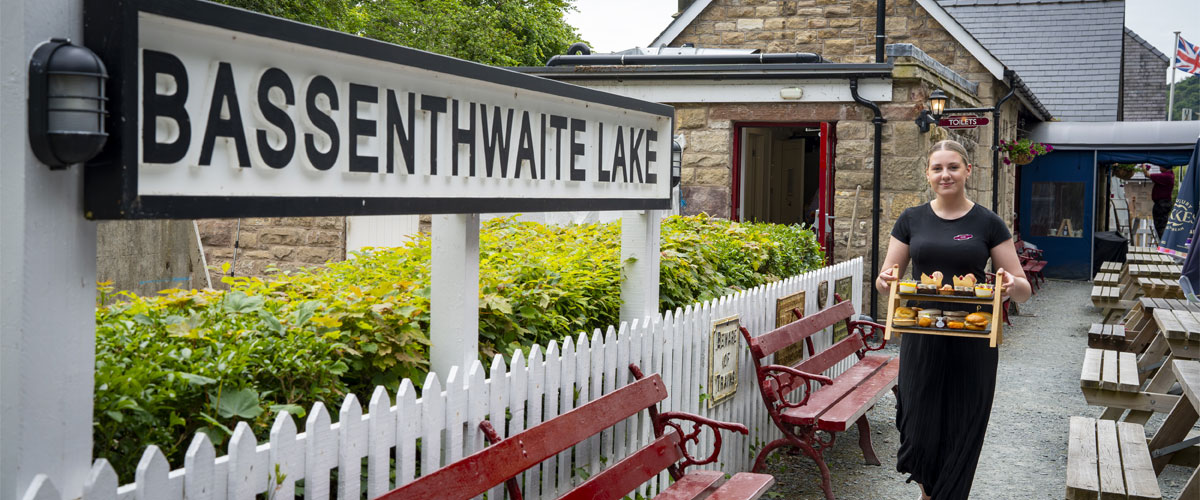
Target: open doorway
{"x": 780, "y": 176}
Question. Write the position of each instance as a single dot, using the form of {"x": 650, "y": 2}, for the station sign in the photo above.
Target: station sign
{"x": 724, "y": 349}
{"x": 221, "y": 112}
{"x": 962, "y": 121}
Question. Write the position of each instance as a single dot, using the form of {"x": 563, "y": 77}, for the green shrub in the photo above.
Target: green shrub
{"x": 189, "y": 361}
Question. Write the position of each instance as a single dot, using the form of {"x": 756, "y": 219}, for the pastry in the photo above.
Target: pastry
{"x": 904, "y": 313}
{"x": 983, "y": 291}
{"x": 935, "y": 279}
{"x": 966, "y": 280}
{"x": 927, "y": 289}
{"x": 908, "y": 286}
{"x": 954, "y": 325}
{"x": 946, "y": 290}
{"x": 977, "y": 321}
{"x": 964, "y": 291}
{"x": 925, "y": 321}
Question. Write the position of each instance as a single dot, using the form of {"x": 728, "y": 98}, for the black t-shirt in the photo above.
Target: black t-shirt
{"x": 954, "y": 247}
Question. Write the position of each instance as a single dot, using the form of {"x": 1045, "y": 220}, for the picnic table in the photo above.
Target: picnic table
{"x": 1115, "y": 300}
{"x": 1160, "y": 288}
{"x": 1148, "y": 258}
{"x": 1171, "y": 437}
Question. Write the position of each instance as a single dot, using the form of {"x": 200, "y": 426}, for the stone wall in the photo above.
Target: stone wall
{"x": 285, "y": 243}
{"x": 1143, "y": 88}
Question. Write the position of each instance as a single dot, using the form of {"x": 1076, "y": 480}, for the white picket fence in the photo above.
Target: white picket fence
{"x": 537, "y": 386}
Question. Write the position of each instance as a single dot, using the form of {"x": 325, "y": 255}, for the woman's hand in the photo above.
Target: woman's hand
{"x": 1007, "y": 282}
{"x": 884, "y": 281}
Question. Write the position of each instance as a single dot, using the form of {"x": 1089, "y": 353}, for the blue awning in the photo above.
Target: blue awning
{"x": 1166, "y": 158}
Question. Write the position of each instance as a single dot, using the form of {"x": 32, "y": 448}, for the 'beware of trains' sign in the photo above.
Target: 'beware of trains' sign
{"x": 220, "y": 112}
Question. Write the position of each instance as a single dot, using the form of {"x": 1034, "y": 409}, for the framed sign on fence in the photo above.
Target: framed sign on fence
{"x": 786, "y": 308}
{"x": 222, "y": 112}
{"x": 844, "y": 288}
{"x": 724, "y": 349}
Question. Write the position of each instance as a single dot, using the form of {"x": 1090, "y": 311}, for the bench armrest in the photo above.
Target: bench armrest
{"x": 870, "y": 330}
{"x": 674, "y": 419}
{"x": 774, "y": 372}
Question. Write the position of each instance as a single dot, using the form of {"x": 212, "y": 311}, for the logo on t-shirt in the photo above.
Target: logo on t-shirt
{"x": 963, "y": 237}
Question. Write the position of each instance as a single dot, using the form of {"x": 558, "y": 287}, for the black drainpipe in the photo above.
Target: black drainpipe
{"x": 1012, "y": 89}
{"x": 875, "y": 180}
{"x": 879, "y": 37}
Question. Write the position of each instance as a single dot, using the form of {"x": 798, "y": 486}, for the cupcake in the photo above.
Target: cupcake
{"x": 908, "y": 286}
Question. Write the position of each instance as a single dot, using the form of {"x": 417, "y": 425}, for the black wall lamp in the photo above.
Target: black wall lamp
{"x": 66, "y": 106}
{"x": 937, "y": 106}
{"x": 676, "y": 163}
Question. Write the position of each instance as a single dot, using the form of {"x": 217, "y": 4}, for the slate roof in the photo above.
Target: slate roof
{"x": 1147, "y": 45}
{"x": 1068, "y": 52}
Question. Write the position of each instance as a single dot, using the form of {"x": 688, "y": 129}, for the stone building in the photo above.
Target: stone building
{"x": 753, "y": 152}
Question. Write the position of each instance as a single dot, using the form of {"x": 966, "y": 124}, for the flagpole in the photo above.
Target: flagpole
{"x": 1171, "y": 95}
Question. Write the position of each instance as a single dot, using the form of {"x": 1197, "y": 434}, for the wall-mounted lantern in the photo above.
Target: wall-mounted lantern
{"x": 676, "y": 163}
{"x": 66, "y": 107}
{"x": 937, "y": 106}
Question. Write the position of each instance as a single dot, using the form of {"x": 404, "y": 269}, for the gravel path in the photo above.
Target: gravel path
{"x": 1025, "y": 451}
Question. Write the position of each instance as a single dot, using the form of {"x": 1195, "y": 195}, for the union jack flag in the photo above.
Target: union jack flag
{"x": 1187, "y": 56}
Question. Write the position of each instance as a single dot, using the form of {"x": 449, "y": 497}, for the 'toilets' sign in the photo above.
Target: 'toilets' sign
{"x": 221, "y": 112}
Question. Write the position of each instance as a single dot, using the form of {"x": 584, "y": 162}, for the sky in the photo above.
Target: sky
{"x": 612, "y": 25}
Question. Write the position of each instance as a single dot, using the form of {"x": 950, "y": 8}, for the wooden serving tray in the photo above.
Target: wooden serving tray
{"x": 995, "y": 336}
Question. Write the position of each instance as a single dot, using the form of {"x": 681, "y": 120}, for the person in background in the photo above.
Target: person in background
{"x": 1160, "y": 194}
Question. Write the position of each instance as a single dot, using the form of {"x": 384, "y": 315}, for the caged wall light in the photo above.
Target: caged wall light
{"x": 66, "y": 103}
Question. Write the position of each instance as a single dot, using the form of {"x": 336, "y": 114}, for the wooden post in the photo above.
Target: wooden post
{"x": 454, "y": 297}
{"x": 640, "y": 259}
{"x": 47, "y": 280}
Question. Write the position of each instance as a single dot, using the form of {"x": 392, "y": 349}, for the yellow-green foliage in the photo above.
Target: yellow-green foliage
{"x": 184, "y": 361}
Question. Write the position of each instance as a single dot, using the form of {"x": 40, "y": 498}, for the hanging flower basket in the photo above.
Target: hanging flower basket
{"x": 1124, "y": 171}
{"x": 1023, "y": 151}
{"x": 1022, "y": 159}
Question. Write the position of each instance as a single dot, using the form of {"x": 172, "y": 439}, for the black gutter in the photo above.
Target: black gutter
{"x": 1012, "y": 90}
{"x": 879, "y": 34}
{"x": 674, "y": 59}
{"x": 712, "y": 72}
{"x": 875, "y": 180}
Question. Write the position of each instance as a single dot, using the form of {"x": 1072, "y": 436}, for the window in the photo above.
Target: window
{"x": 1057, "y": 209}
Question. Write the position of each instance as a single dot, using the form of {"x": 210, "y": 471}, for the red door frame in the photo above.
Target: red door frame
{"x": 824, "y": 192}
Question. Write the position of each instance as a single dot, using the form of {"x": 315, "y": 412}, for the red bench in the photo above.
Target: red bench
{"x": 834, "y": 403}
{"x": 503, "y": 460}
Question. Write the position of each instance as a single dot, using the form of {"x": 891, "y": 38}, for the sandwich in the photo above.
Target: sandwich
{"x": 978, "y": 321}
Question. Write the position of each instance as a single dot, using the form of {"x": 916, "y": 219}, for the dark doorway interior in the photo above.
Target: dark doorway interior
{"x": 781, "y": 174}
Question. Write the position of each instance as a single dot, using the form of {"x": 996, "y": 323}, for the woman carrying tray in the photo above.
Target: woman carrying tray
{"x": 946, "y": 384}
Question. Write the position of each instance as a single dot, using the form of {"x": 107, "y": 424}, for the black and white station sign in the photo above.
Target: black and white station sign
{"x": 220, "y": 112}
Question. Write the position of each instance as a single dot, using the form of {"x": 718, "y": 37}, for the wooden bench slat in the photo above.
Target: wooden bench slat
{"x": 1127, "y": 376}
{"x": 626, "y": 475}
{"x": 1082, "y": 477}
{"x": 1140, "y": 481}
{"x": 692, "y": 485}
{"x": 862, "y": 398}
{"x": 742, "y": 486}
{"x": 796, "y": 331}
{"x": 1108, "y": 458}
{"x": 1108, "y": 370}
{"x": 511, "y": 456}
{"x": 825, "y": 397}
{"x": 1090, "y": 377}
{"x": 825, "y": 360}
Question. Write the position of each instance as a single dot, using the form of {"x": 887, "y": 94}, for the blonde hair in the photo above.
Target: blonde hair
{"x": 948, "y": 145}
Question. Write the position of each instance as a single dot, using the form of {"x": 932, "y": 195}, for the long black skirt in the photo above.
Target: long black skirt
{"x": 945, "y": 399}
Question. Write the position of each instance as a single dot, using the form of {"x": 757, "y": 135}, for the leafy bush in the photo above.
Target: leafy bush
{"x": 199, "y": 360}
{"x": 188, "y": 361}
